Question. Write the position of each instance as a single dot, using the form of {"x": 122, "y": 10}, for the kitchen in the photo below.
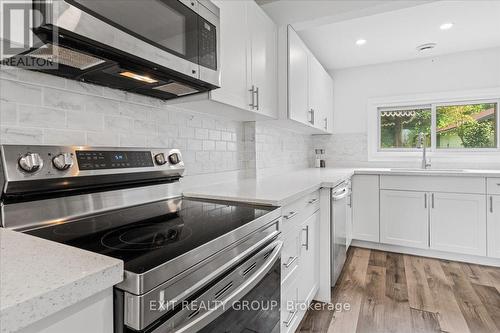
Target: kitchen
{"x": 242, "y": 166}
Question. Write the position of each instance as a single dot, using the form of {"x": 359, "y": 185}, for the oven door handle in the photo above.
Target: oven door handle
{"x": 204, "y": 319}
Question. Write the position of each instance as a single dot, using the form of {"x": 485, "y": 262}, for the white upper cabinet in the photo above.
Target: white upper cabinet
{"x": 248, "y": 58}
{"x": 298, "y": 93}
{"x": 310, "y": 87}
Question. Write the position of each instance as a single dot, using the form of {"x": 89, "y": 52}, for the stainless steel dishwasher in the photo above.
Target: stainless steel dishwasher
{"x": 339, "y": 211}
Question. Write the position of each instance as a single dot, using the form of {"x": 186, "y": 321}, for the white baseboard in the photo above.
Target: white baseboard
{"x": 428, "y": 253}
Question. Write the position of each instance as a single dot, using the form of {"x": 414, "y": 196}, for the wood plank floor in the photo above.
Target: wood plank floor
{"x": 391, "y": 292}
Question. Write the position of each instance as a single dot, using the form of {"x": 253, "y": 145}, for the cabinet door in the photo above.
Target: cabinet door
{"x": 404, "y": 218}
{"x": 348, "y": 226}
{"x": 458, "y": 223}
{"x": 365, "y": 207}
{"x": 494, "y": 226}
{"x": 326, "y": 109}
{"x": 298, "y": 103}
{"x": 289, "y": 305}
{"x": 264, "y": 55}
{"x": 316, "y": 88}
{"x": 234, "y": 55}
{"x": 309, "y": 259}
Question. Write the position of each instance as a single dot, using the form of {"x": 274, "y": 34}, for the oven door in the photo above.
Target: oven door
{"x": 246, "y": 299}
{"x": 178, "y": 34}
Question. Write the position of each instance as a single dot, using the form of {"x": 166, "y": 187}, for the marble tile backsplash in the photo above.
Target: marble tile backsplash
{"x": 42, "y": 109}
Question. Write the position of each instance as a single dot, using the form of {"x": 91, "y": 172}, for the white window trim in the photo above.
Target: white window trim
{"x": 432, "y": 99}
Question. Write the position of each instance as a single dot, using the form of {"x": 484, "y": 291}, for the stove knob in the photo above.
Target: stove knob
{"x": 31, "y": 162}
{"x": 160, "y": 159}
{"x": 174, "y": 158}
{"x": 63, "y": 161}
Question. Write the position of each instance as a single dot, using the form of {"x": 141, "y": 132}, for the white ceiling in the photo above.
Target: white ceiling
{"x": 394, "y": 35}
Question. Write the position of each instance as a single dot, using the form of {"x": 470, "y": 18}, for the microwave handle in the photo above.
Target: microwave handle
{"x": 199, "y": 322}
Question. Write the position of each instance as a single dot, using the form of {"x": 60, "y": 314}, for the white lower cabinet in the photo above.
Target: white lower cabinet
{"x": 458, "y": 223}
{"x": 493, "y": 226}
{"x": 365, "y": 205}
{"x": 289, "y": 304}
{"x": 309, "y": 259}
{"x": 404, "y": 218}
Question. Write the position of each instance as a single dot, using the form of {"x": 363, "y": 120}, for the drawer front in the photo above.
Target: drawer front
{"x": 434, "y": 184}
{"x": 296, "y": 213}
{"x": 493, "y": 185}
{"x": 290, "y": 253}
{"x": 289, "y": 309}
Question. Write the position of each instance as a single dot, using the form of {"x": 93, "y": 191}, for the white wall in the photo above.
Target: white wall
{"x": 354, "y": 86}
{"x": 462, "y": 71}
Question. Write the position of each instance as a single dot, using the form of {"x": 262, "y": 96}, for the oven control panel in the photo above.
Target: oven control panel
{"x": 98, "y": 160}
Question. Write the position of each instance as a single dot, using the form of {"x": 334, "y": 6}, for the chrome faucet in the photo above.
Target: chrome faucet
{"x": 426, "y": 163}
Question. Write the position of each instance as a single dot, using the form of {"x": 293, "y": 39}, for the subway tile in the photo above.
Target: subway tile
{"x": 20, "y": 135}
{"x": 17, "y": 92}
{"x": 63, "y": 137}
{"x": 85, "y": 121}
{"x": 158, "y": 141}
{"x": 103, "y": 139}
{"x": 179, "y": 144}
{"x": 8, "y": 113}
{"x": 63, "y": 99}
{"x": 132, "y": 140}
{"x": 201, "y": 133}
{"x": 209, "y": 123}
{"x": 226, "y": 136}
{"x": 193, "y": 144}
{"x": 118, "y": 124}
{"x": 145, "y": 127}
{"x": 9, "y": 72}
{"x": 102, "y": 105}
{"x": 220, "y": 146}
{"x": 186, "y": 132}
{"x": 43, "y": 79}
{"x": 83, "y": 87}
{"x": 208, "y": 145}
{"x": 135, "y": 111}
{"x": 231, "y": 146}
{"x": 167, "y": 130}
{"x": 214, "y": 135}
{"x": 36, "y": 116}
{"x": 202, "y": 156}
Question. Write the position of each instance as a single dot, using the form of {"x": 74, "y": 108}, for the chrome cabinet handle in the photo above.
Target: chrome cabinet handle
{"x": 252, "y": 94}
{"x": 257, "y": 99}
{"x": 313, "y": 200}
{"x": 326, "y": 123}
{"x": 306, "y": 229}
{"x": 291, "y": 215}
{"x": 311, "y": 112}
{"x": 432, "y": 198}
{"x": 291, "y": 318}
{"x": 491, "y": 204}
{"x": 425, "y": 200}
{"x": 291, "y": 260}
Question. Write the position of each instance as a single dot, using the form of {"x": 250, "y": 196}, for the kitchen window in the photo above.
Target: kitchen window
{"x": 457, "y": 126}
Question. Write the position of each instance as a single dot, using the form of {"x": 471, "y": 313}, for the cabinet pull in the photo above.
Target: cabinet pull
{"x": 313, "y": 200}
{"x": 432, "y": 199}
{"x": 326, "y": 124}
{"x": 306, "y": 229}
{"x": 257, "y": 99}
{"x": 291, "y": 260}
{"x": 491, "y": 204}
{"x": 252, "y": 94}
{"x": 291, "y": 215}
{"x": 425, "y": 200}
{"x": 311, "y": 112}
{"x": 290, "y": 318}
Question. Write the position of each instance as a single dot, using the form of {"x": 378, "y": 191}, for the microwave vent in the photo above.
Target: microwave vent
{"x": 177, "y": 89}
{"x": 65, "y": 56}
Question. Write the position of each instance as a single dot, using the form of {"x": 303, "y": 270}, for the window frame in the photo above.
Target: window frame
{"x": 481, "y": 155}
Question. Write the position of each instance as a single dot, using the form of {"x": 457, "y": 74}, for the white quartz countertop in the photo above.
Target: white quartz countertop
{"x": 282, "y": 189}
{"x": 276, "y": 190}
{"x": 39, "y": 277}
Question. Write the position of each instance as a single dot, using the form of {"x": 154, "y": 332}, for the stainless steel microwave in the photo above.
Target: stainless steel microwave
{"x": 161, "y": 48}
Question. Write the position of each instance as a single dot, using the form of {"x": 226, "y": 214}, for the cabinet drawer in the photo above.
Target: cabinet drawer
{"x": 434, "y": 184}
{"x": 289, "y": 309}
{"x": 290, "y": 253}
{"x": 297, "y": 212}
{"x": 493, "y": 185}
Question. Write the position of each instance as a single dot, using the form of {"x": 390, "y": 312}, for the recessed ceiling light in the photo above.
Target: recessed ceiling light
{"x": 446, "y": 26}
{"x": 361, "y": 42}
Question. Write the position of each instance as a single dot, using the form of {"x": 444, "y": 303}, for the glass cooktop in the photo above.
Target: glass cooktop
{"x": 149, "y": 235}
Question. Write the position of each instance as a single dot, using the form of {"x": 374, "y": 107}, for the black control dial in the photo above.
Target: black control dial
{"x": 174, "y": 158}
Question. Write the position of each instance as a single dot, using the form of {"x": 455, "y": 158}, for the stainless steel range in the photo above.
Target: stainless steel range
{"x": 190, "y": 265}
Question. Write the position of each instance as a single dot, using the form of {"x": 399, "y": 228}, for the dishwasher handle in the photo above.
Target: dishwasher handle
{"x": 340, "y": 193}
